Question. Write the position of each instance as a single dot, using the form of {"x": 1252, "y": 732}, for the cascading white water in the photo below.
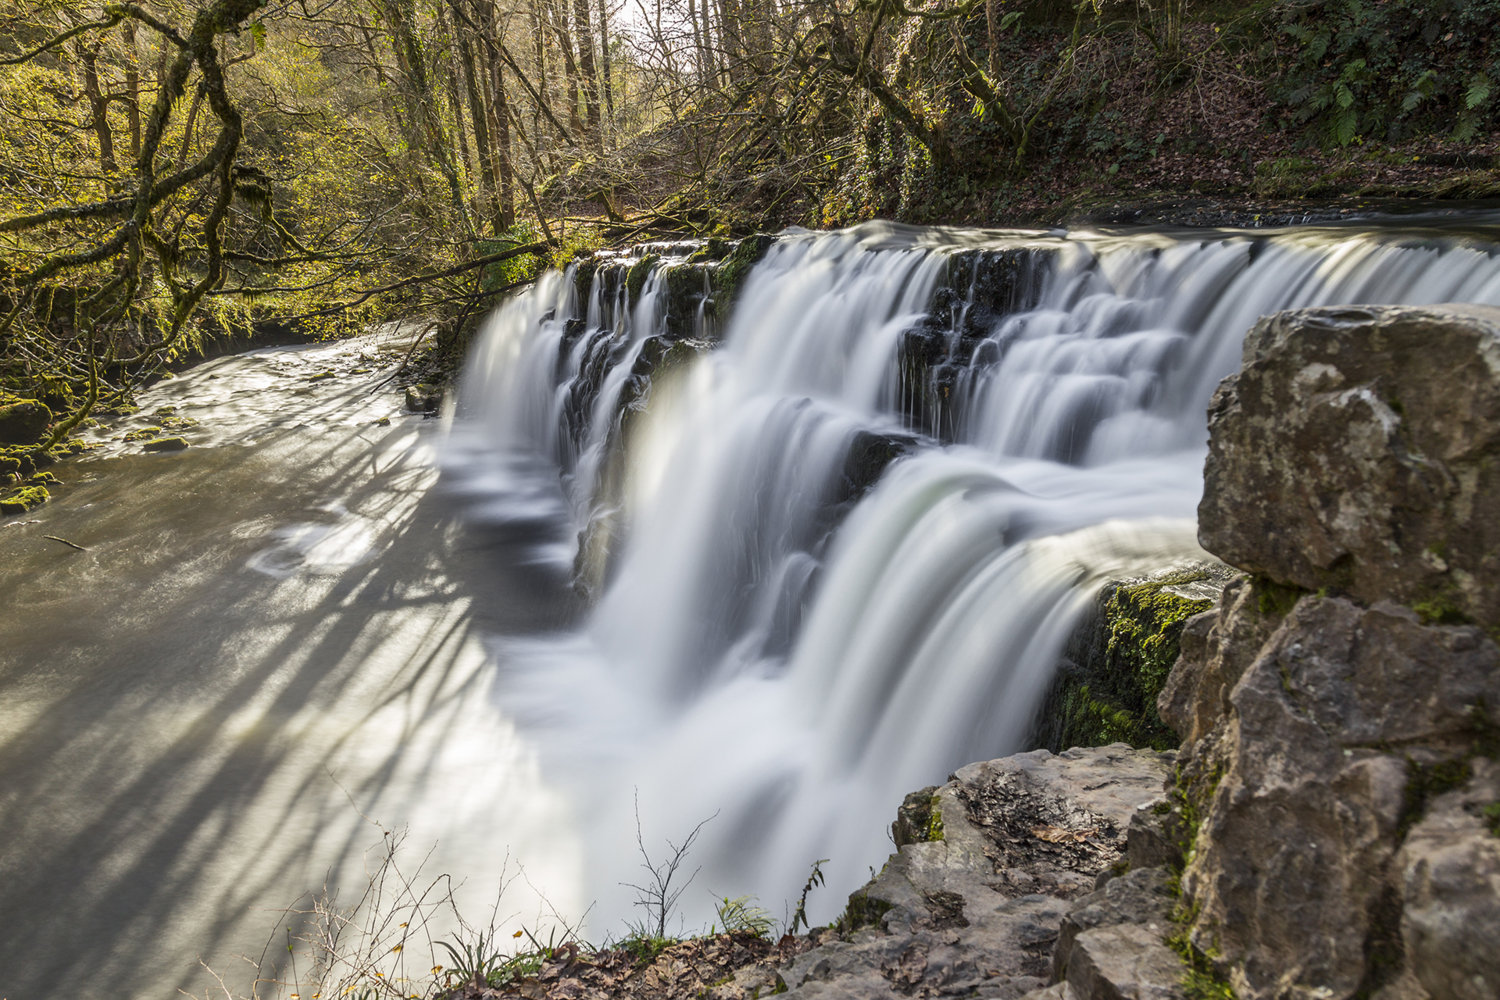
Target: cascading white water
{"x": 786, "y": 649}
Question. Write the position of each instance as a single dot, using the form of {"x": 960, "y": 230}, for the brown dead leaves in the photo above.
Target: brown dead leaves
{"x": 721, "y": 967}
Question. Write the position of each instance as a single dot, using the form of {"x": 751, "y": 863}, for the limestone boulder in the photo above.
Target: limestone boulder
{"x": 1449, "y": 875}
{"x": 1337, "y": 730}
{"x": 988, "y": 868}
{"x": 1358, "y": 452}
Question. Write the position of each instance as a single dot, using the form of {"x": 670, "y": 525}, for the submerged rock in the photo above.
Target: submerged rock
{"x": 423, "y": 398}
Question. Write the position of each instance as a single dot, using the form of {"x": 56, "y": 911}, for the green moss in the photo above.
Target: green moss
{"x": 1111, "y": 696}
{"x": 731, "y": 273}
{"x": 635, "y": 278}
{"x": 583, "y": 275}
{"x": 1276, "y": 599}
{"x": 23, "y": 421}
{"x": 1425, "y": 782}
{"x": 1440, "y": 609}
{"x": 934, "y": 831}
{"x": 24, "y": 499}
{"x": 165, "y": 444}
{"x": 1201, "y": 978}
{"x": 142, "y": 434}
{"x": 1491, "y": 816}
{"x": 715, "y": 249}
{"x": 862, "y": 911}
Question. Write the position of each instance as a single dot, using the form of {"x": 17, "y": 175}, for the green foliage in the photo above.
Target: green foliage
{"x": 515, "y": 270}
{"x": 1387, "y": 70}
{"x": 814, "y": 879}
{"x": 742, "y": 915}
{"x": 643, "y": 944}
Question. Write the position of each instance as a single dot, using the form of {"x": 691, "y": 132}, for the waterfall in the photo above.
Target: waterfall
{"x": 833, "y": 552}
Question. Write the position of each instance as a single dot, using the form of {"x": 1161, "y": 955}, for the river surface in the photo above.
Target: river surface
{"x": 267, "y": 658}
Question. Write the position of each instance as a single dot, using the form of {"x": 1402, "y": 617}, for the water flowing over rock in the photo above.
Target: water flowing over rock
{"x": 834, "y": 540}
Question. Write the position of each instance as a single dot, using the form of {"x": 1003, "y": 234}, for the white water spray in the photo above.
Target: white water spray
{"x": 789, "y": 649}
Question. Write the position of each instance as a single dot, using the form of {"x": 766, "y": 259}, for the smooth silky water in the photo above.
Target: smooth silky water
{"x": 767, "y": 654}
{"x": 310, "y": 628}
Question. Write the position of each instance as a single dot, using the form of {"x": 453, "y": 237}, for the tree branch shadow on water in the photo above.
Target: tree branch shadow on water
{"x": 119, "y": 834}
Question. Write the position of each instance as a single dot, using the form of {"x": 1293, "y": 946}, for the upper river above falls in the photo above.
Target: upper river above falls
{"x": 765, "y": 570}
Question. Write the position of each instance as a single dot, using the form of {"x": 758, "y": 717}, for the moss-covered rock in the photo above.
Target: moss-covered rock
{"x": 687, "y": 287}
{"x": 714, "y": 249}
{"x": 731, "y": 273}
{"x": 1118, "y": 660}
{"x": 24, "y": 499}
{"x": 423, "y": 398}
{"x": 23, "y": 421}
{"x": 635, "y": 279}
{"x": 165, "y": 444}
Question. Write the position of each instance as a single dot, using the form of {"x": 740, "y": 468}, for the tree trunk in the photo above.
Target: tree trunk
{"x": 588, "y": 68}
{"x": 410, "y": 58}
{"x": 479, "y": 115}
{"x": 98, "y": 108}
{"x": 605, "y": 61}
{"x": 557, "y": 14}
{"x": 500, "y": 107}
{"x": 132, "y": 87}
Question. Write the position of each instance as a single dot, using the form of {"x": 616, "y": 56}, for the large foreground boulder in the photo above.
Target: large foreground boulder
{"x": 1358, "y": 451}
{"x": 1337, "y": 787}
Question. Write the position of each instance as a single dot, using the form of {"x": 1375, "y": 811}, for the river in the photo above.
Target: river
{"x": 268, "y": 656}
{"x": 832, "y": 551}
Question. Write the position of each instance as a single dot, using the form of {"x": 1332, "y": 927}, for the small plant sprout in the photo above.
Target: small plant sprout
{"x": 657, "y": 895}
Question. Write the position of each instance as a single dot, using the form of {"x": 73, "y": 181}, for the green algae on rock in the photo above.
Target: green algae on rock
{"x": 25, "y": 499}
{"x": 23, "y": 421}
{"x": 1117, "y": 662}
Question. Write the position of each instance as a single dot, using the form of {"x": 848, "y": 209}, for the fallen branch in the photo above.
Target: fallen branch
{"x": 71, "y": 545}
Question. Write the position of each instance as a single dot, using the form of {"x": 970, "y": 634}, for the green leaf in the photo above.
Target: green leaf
{"x": 1479, "y": 91}
{"x": 1344, "y": 127}
{"x": 258, "y": 33}
{"x": 1343, "y": 95}
{"x": 1009, "y": 20}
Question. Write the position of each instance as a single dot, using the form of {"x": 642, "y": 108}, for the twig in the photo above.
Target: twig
{"x": 71, "y": 545}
